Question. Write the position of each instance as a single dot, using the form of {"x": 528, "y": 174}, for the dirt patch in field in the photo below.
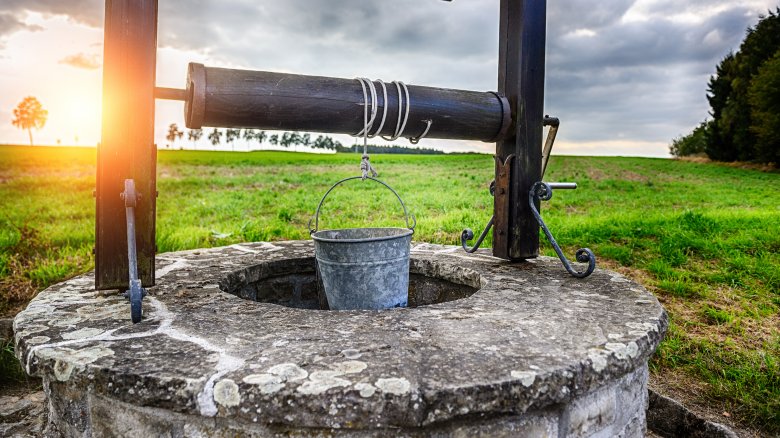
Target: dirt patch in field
{"x": 771, "y": 168}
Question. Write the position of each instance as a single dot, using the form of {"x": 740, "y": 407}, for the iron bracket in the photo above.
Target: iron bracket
{"x": 543, "y": 191}
{"x": 468, "y": 234}
{"x": 136, "y": 292}
{"x": 554, "y": 123}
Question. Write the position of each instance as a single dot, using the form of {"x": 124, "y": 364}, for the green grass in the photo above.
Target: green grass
{"x": 703, "y": 237}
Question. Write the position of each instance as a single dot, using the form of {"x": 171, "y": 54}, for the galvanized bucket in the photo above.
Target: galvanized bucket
{"x": 363, "y": 268}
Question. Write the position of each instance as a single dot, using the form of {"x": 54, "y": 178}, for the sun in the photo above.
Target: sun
{"x": 78, "y": 117}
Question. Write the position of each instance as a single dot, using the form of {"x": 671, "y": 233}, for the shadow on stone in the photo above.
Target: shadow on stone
{"x": 668, "y": 418}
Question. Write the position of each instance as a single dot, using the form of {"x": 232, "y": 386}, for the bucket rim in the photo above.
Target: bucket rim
{"x": 407, "y": 232}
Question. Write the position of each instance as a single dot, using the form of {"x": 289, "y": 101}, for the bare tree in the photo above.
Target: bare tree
{"x": 29, "y": 114}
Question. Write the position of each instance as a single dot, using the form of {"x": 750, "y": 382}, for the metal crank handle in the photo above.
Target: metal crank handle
{"x": 563, "y": 185}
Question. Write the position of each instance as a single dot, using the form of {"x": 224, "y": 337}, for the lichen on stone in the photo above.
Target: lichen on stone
{"x": 289, "y": 372}
{"x": 393, "y": 385}
{"x": 268, "y": 383}
{"x": 527, "y": 378}
{"x": 226, "y": 393}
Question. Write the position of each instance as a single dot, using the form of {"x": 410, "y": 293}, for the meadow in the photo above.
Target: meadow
{"x": 703, "y": 237}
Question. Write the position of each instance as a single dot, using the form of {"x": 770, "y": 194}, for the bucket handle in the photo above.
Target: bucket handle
{"x": 316, "y": 217}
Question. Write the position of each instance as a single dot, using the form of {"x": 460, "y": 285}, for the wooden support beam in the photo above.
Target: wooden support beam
{"x": 127, "y": 147}
{"x": 521, "y": 79}
{"x": 229, "y": 98}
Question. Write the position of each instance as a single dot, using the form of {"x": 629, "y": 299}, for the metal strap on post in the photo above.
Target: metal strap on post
{"x": 136, "y": 292}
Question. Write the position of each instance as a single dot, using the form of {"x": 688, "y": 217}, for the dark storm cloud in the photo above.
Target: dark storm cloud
{"x": 585, "y": 14}
{"x": 644, "y": 79}
{"x": 648, "y": 75}
{"x": 616, "y": 69}
{"x": 89, "y": 12}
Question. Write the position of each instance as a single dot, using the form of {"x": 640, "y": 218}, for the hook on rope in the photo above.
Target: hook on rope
{"x": 543, "y": 191}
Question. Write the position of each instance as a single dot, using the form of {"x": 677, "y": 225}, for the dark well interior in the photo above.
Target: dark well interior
{"x": 293, "y": 283}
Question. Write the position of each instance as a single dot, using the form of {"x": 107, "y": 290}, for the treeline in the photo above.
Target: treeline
{"x": 285, "y": 139}
{"x": 744, "y": 98}
{"x": 392, "y": 149}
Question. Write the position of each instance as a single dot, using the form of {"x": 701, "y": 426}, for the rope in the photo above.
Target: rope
{"x": 370, "y": 98}
{"x": 401, "y": 123}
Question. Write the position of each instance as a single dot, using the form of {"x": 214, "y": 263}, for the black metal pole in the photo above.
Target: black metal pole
{"x": 521, "y": 80}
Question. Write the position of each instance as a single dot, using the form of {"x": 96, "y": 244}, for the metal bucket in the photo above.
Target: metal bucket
{"x": 363, "y": 268}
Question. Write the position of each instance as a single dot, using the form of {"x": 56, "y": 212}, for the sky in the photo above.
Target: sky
{"x": 624, "y": 76}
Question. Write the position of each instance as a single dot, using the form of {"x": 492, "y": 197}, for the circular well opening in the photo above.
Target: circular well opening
{"x": 293, "y": 283}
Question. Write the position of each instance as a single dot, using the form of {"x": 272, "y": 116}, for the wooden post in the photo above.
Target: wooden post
{"x": 521, "y": 80}
{"x": 127, "y": 148}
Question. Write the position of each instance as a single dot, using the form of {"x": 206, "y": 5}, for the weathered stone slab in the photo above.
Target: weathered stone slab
{"x": 530, "y": 345}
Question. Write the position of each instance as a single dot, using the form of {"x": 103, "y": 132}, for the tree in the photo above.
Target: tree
{"x": 740, "y": 112}
{"x": 249, "y": 135}
{"x": 215, "y": 137}
{"x": 260, "y": 137}
{"x": 29, "y": 114}
{"x": 764, "y": 98}
{"x": 286, "y": 139}
{"x": 231, "y": 135}
{"x": 173, "y": 133}
{"x": 323, "y": 142}
{"x": 691, "y": 144}
{"x": 194, "y": 135}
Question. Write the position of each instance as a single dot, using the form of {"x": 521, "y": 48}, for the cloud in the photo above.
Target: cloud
{"x": 82, "y": 60}
{"x": 620, "y": 70}
{"x": 624, "y": 69}
{"x": 643, "y": 79}
{"x": 89, "y": 12}
{"x": 10, "y": 24}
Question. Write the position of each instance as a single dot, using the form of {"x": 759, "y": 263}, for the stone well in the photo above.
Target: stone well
{"x": 232, "y": 344}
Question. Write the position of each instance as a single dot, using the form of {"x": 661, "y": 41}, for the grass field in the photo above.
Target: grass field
{"x": 705, "y": 238}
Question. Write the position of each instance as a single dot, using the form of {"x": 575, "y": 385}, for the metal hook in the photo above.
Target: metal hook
{"x": 468, "y": 234}
{"x": 543, "y": 191}
{"x": 415, "y": 140}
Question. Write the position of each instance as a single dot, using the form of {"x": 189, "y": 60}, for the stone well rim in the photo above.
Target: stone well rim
{"x": 430, "y": 371}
